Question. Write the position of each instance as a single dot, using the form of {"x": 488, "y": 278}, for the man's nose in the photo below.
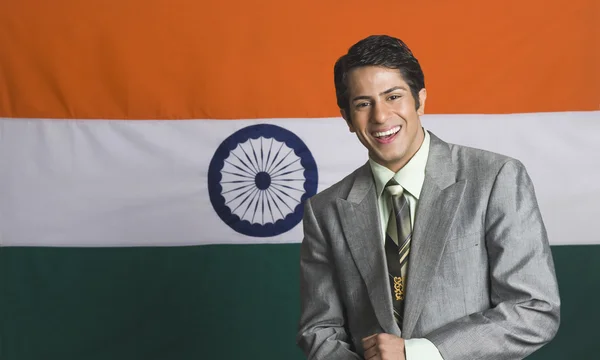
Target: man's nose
{"x": 379, "y": 113}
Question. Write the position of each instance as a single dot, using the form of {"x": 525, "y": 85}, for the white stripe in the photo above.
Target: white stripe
{"x": 144, "y": 183}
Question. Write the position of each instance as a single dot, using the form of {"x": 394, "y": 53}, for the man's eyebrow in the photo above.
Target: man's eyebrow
{"x": 361, "y": 97}
{"x": 392, "y": 89}
{"x": 364, "y": 97}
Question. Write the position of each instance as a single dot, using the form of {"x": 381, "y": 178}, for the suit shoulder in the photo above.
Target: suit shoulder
{"x": 481, "y": 160}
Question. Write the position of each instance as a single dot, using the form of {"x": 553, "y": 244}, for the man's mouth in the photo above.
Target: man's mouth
{"x": 386, "y": 135}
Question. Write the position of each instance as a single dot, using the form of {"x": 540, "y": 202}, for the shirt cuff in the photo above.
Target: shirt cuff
{"x": 421, "y": 349}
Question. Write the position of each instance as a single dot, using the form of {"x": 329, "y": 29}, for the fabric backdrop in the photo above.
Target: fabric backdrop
{"x": 154, "y": 156}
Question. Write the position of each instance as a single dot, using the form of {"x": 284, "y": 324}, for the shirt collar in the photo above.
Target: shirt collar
{"x": 410, "y": 177}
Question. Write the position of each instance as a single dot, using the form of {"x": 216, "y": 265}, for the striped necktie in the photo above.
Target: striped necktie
{"x": 397, "y": 246}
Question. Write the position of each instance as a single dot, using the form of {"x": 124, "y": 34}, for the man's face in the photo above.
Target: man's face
{"x": 382, "y": 114}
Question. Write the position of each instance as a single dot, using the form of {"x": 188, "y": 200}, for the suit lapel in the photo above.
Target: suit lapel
{"x": 360, "y": 223}
{"x": 439, "y": 199}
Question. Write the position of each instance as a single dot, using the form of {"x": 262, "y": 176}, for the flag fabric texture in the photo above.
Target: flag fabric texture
{"x": 155, "y": 155}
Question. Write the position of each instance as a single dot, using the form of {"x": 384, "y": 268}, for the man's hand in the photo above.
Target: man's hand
{"x": 384, "y": 347}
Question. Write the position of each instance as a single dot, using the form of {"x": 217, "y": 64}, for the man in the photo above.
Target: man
{"x": 430, "y": 250}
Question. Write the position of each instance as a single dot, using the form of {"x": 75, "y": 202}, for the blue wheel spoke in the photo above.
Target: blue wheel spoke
{"x": 273, "y": 180}
{"x": 239, "y": 168}
{"x": 285, "y": 167}
{"x": 236, "y": 189}
{"x": 244, "y": 163}
{"x": 269, "y": 205}
{"x": 274, "y": 158}
{"x": 239, "y": 195}
{"x": 286, "y": 194}
{"x": 236, "y": 174}
{"x": 275, "y": 202}
{"x": 250, "y": 204}
{"x": 257, "y": 197}
{"x": 262, "y": 158}
{"x": 274, "y": 169}
{"x": 282, "y": 201}
{"x": 289, "y": 187}
{"x": 262, "y": 195}
{"x": 248, "y": 157}
{"x": 287, "y": 173}
{"x": 255, "y": 157}
{"x": 243, "y": 201}
{"x": 269, "y": 155}
{"x": 237, "y": 181}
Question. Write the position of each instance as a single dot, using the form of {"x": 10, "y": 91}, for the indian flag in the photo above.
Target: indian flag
{"x": 154, "y": 157}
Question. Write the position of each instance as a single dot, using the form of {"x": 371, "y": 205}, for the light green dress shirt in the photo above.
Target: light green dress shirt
{"x": 411, "y": 178}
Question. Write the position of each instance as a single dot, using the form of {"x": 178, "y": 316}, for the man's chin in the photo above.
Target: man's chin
{"x": 385, "y": 161}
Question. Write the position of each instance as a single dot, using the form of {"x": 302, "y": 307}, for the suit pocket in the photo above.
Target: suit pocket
{"x": 463, "y": 242}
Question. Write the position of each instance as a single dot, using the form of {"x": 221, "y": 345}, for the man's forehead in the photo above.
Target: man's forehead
{"x": 372, "y": 71}
{"x": 361, "y": 77}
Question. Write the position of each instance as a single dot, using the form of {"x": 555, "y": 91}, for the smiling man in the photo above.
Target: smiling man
{"x": 428, "y": 251}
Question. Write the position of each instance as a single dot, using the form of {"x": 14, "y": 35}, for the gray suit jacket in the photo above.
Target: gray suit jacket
{"x": 481, "y": 281}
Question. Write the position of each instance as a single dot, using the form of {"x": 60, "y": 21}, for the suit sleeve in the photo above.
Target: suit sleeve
{"x": 322, "y": 332}
{"x": 523, "y": 288}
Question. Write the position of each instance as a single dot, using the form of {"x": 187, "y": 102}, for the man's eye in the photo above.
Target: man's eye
{"x": 362, "y": 104}
{"x": 394, "y": 97}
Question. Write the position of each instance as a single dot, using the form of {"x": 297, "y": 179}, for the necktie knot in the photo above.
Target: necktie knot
{"x": 393, "y": 188}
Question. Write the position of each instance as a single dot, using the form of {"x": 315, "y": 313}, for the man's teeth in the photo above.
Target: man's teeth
{"x": 391, "y": 131}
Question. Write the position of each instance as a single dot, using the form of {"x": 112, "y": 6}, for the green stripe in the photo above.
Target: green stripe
{"x": 225, "y": 302}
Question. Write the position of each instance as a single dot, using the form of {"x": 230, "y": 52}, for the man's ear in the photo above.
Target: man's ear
{"x": 422, "y": 98}
{"x": 346, "y": 117}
